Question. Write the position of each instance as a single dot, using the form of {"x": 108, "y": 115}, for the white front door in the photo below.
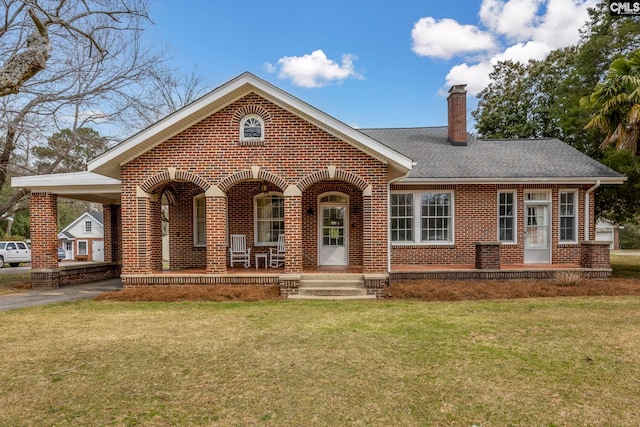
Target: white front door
{"x": 537, "y": 234}
{"x": 333, "y": 225}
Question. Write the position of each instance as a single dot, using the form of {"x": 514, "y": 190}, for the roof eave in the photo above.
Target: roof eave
{"x": 109, "y": 163}
{"x": 529, "y": 180}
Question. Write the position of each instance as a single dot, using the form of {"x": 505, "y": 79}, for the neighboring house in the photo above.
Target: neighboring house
{"x": 249, "y": 158}
{"x": 607, "y": 231}
{"x": 83, "y": 239}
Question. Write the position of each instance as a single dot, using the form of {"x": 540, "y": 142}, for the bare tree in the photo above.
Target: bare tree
{"x": 74, "y": 64}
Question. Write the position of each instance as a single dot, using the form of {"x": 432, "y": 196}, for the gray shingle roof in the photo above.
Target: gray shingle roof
{"x": 436, "y": 158}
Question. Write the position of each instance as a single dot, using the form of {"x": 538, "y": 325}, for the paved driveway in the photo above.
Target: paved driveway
{"x": 33, "y": 297}
{"x": 15, "y": 270}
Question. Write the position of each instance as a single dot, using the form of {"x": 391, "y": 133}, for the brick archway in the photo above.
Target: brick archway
{"x": 171, "y": 174}
{"x": 332, "y": 173}
{"x": 252, "y": 174}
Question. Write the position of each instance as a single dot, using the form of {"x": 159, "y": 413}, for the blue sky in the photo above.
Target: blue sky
{"x": 367, "y": 63}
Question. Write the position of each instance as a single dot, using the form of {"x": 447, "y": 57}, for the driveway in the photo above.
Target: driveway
{"x": 33, "y": 297}
{"x": 25, "y": 268}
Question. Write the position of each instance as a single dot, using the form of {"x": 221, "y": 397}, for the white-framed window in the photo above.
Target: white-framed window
{"x": 436, "y": 217}
{"x": 83, "y": 247}
{"x": 88, "y": 226}
{"x": 507, "y": 224}
{"x": 199, "y": 221}
{"x": 402, "y": 217}
{"x": 68, "y": 245}
{"x": 433, "y": 214}
{"x": 568, "y": 221}
{"x": 268, "y": 212}
{"x": 252, "y": 128}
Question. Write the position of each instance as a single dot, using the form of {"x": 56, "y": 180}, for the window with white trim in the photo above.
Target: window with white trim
{"x": 568, "y": 212}
{"x": 402, "y": 217}
{"x": 83, "y": 247}
{"x": 507, "y": 217}
{"x": 252, "y": 128}
{"x": 436, "y": 217}
{"x": 88, "y": 226}
{"x": 269, "y": 218}
{"x": 199, "y": 221}
{"x": 433, "y": 213}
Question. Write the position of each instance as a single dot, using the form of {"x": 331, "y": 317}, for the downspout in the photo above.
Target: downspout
{"x": 587, "y": 210}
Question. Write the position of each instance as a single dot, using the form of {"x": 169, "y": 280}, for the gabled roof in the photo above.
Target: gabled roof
{"x": 109, "y": 163}
{"x": 66, "y": 235}
{"x": 512, "y": 160}
{"x": 97, "y": 217}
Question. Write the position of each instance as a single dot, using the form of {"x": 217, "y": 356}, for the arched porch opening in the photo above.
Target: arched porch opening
{"x": 320, "y": 201}
{"x": 172, "y": 230}
{"x": 255, "y": 209}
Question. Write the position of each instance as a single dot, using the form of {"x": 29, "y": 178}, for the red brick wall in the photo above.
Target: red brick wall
{"x": 210, "y": 151}
{"x": 43, "y": 208}
{"x": 112, "y": 233}
{"x": 475, "y": 216}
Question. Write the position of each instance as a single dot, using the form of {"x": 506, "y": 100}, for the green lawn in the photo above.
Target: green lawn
{"x": 528, "y": 362}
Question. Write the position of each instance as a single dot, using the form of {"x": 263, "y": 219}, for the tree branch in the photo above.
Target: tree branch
{"x": 24, "y": 65}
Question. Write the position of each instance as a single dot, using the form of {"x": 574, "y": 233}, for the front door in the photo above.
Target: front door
{"x": 333, "y": 230}
{"x": 537, "y": 234}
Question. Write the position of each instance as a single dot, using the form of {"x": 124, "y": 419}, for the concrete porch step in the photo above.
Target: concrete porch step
{"x": 332, "y": 286}
{"x": 333, "y": 297}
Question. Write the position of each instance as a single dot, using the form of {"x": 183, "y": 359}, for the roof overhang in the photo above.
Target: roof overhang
{"x": 110, "y": 162}
{"x": 558, "y": 180}
{"x": 85, "y": 186}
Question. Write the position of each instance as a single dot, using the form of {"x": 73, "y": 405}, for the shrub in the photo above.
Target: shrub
{"x": 568, "y": 277}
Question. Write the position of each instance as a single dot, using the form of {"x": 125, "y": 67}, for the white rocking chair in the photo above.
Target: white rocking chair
{"x": 276, "y": 255}
{"x": 239, "y": 251}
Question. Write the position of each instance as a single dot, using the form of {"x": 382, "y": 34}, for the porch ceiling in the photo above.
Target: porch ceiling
{"x": 86, "y": 186}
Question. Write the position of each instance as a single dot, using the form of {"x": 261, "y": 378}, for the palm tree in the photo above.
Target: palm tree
{"x": 617, "y": 105}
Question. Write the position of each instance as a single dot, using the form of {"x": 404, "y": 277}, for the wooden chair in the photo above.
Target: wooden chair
{"x": 276, "y": 255}
{"x": 239, "y": 251}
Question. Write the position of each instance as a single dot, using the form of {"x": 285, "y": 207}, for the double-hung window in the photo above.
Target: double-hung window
{"x": 269, "y": 218}
{"x": 568, "y": 217}
{"x": 507, "y": 217}
{"x": 402, "y": 217}
{"x": 422, "y": 217}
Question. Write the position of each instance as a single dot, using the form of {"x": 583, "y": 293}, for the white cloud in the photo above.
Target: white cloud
{"x": 560, "y": 25}
{"x": 520, "y": 30}
{"x": 315, "y": 69}
{"x": 270, "y": 68}
{"x": 476, "y": 76}
{"x": 446, "y": 38}
{"x": 514, "y": 19}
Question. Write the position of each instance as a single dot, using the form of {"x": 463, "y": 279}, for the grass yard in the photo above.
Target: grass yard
{"x": 528, "y": 362}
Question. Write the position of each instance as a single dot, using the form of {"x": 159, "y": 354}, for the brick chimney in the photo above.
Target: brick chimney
{"x": 457, "y": 106}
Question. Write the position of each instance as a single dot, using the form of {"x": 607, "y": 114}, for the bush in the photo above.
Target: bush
{"x": 568, "y": 278}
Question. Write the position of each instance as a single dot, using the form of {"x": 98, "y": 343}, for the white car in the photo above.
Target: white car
{"x": 13, "y": 253}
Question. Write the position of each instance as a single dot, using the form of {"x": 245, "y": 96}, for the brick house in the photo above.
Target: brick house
{"x": 249, "y": 158}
